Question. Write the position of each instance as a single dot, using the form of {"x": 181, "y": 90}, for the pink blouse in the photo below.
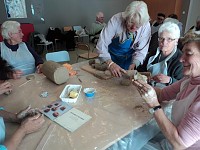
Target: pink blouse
{"x": 189, "y": 125}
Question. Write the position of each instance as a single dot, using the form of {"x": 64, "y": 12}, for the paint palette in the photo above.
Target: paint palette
{"x": 55, "y": 109}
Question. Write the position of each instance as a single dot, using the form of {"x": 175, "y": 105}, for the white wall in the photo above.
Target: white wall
{"x": 193, "y": 13}
{"x": 60, "y": 13}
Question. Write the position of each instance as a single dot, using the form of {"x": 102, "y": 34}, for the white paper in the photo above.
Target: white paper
{"x": 72, "y": 119}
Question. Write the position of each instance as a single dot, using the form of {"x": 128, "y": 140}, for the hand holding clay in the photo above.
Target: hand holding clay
{"x": 147, "y": 92}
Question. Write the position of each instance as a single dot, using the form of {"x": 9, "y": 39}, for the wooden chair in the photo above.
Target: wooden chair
{"x": 87, "y": 55}
{"x": 60, "y": 56}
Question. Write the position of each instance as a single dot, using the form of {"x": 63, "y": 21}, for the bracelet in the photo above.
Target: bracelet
{"x": 110, "y": 64}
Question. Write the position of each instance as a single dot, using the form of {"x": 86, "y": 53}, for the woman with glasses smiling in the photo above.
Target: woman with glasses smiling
{"x": 18, "y": 54}
{"x": 181, "y": 131}
{"x": 165, "y": 66}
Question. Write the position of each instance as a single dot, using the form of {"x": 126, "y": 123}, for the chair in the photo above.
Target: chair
{"x": 80, "y": 33}
{"x": 88, "y": 55}
{"x": 46, "y": 44}
{"x": 59, "y": 56}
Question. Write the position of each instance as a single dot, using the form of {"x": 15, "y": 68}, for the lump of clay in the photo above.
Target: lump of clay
{"x": 101, "y": 67}
{"x": 55, "y": 72}
{"x": 129, "y": 74}
{"x": 8, "y": 92}
{"x": 30, "y": 77}
{"x": 125, "y": 82}
{"x": 139, "y": 76}
{"x": 92, "y": 61}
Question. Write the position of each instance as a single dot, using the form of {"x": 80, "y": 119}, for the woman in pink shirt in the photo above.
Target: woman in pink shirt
{"x": 182, "y": 131}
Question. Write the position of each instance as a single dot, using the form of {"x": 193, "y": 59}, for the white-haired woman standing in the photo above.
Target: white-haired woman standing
{"x": 123, "y": 43}
{"x": 165, "y": 66}
{"x": 18, "y": 54}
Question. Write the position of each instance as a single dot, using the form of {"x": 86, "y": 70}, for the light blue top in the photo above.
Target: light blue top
{"x": 21, "y": 59}
{"x": 2, "y": 132}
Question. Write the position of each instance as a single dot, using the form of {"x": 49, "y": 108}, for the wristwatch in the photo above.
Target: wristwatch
{"x": 154, "y": 109}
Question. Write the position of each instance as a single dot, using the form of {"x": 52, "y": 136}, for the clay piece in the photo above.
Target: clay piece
{"x": 62, "y": 108}
{"x": 92, "y": 61}
{"x": 101, "y": 67}
{"x": 139, "y": 76}
{"x": 8, "y": 92}
{"x": 44, "y": 94}
{"x": 55, "y": 114}
{"x": 54, "y": 108}
{"x": 55, "y": 72}
{"x": 30, "y": 77}
{"x": 139, "y": 108}
{"x": 125, "y": 82}
{"x": 47, "y": 110}
{"x": 49, "y": 106}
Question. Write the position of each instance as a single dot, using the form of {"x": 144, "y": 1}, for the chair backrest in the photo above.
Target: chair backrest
{"x": 67, "y": 28}
{"x": 59, "y": 56}
{"x": 77, "y": 28}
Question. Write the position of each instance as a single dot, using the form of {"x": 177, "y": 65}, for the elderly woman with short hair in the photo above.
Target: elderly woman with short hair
{"x": 18, "y": 54}
{"x": 123, "y": 43}
{"x": 165, "y": 66}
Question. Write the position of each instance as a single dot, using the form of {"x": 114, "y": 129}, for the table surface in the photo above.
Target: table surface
{"x": 116, "y": 111}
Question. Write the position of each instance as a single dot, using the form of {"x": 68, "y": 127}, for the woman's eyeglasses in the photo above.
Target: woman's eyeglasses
{"x": 161, "y": 39}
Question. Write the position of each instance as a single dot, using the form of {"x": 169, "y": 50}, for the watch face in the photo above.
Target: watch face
{"x": 151, "y": 110}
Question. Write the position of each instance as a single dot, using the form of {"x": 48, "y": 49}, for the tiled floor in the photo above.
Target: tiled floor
{"x": 72, "y": 53}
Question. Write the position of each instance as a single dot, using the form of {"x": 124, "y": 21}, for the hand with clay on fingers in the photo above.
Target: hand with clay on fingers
{"x": 116, "y": 70}
{"x": 5, "y": 87}
{"x": 147, "y": 92}
{"x": 161, "y": 78}
{"x": 27, "y": 112}
{"x": 32, "y": 124}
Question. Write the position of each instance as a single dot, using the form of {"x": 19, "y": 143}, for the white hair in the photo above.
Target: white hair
{"x": 171, "y": 28}
{"x": 99, "y": 14}
{"x": 7, "y": 27}
{"x": 136, "y": 12}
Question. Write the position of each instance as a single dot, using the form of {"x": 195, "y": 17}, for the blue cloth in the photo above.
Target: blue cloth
{"x": 2, "y": 129}
{"x": 121, "y": 53}
{"x": 2, "y": 147}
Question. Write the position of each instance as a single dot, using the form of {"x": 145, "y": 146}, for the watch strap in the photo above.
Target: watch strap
{"x": 157, "y": 107}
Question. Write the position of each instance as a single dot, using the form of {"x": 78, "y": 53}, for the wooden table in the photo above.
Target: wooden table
{"x": 116, "y": 111}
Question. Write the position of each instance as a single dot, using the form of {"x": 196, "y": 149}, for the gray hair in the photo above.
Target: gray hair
{"x": 136, "y": 12}
{"x": 99, "y": 14}
{"x": 7, "y": 27}
{"x": 191, "y": 37}
{"x": 171, "y": 28}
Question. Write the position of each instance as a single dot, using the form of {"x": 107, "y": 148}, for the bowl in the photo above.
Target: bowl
{"x": 65, "y": 95}
{"x": 89, "y": 92}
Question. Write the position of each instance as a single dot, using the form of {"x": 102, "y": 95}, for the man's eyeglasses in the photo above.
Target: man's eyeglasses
{"x": 161, "y": 39}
